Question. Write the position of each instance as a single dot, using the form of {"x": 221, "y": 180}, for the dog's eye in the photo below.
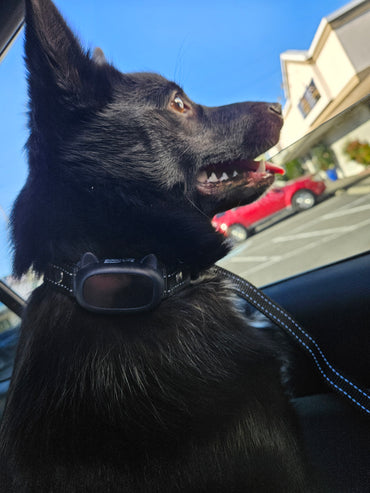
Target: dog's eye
{"x": 178, "y": 104}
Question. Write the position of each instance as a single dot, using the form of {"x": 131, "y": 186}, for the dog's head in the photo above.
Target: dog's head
{"x": 107, "y": 147}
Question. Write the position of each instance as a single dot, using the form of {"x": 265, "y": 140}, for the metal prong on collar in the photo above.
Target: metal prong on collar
{"x": 60, "y": 277}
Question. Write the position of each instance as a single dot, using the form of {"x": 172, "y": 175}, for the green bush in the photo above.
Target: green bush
{"x": 358, "y": 151}
{"x": 323, "y": 157}
{"x": 293, "y": 169}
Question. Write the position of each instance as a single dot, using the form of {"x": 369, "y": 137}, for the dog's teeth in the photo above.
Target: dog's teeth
{"x": 213, "y": 178}
{"x": 235, "y": 174}
{"x": 261, "y": 167}
{"x": 202, "y": 177}
{"x": 224, "y": 176}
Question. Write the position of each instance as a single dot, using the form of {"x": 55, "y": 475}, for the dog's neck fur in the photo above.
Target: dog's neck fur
{"x": 111, "y": 231}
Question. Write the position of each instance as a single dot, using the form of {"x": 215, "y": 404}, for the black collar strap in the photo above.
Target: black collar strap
{"x": 117, "y": 285}
{"x": 60, "y": 277}
{"x": 63, "y": 279}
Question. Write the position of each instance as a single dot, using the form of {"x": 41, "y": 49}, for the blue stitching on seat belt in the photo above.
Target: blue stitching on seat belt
{"x": 312, "y": 353}
{"x": 313, "y": 342}
{"x": 227, "y": 274}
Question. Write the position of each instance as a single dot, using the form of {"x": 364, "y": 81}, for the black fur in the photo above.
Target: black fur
{"x": 186, "y": 398}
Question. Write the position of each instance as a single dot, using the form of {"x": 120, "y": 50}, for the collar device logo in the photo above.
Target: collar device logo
{"x": 117, "y": 285}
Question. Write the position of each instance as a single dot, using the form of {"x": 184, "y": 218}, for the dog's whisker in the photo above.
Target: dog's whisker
{"x": 195, "y": 206}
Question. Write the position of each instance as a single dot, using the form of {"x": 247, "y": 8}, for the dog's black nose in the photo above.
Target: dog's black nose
{"x": 276, "y": 108}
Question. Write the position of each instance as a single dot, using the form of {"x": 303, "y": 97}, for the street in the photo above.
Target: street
{"x": 337, "y": 228}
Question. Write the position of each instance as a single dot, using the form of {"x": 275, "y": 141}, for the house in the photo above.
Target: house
{"x": 332, "y": 75}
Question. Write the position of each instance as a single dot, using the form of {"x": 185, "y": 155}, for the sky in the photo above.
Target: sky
{"x": 220, "y": 52}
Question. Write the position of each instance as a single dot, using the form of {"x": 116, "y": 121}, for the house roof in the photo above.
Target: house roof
{"x": 305, "y": 143}
{"x": 332, "y": 21}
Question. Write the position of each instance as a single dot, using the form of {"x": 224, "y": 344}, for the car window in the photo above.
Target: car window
{"x": 12, "y": 104}
{"x": 336, "y": 225}
{"x": 302, "y": 224}
{"x": 8, "y": 319}
{"x": 315, "y": 214}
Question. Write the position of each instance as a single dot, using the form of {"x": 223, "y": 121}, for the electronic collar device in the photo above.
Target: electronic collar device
{"x": 117, "y": 285}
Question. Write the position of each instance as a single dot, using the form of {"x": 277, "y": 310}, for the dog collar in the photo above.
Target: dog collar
{"x": 117, "y": 285}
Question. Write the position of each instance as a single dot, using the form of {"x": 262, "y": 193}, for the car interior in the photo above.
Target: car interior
{"x": 331, "y": 302}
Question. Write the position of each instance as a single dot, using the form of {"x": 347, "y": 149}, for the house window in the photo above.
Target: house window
{"x": 309, "y": 99}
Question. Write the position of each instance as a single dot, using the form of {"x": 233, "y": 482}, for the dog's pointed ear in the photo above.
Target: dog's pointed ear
{"x": 59, "y": 69}
{"x": 98, "y": 56}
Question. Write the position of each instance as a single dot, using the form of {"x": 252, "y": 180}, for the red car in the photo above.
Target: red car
{"x": 300, "y": 194}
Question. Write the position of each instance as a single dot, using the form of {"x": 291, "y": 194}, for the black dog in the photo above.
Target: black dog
{"x": 185, "y": 397}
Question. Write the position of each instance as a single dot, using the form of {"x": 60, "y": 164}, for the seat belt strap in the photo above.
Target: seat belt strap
{"x": 284, "y": 320}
